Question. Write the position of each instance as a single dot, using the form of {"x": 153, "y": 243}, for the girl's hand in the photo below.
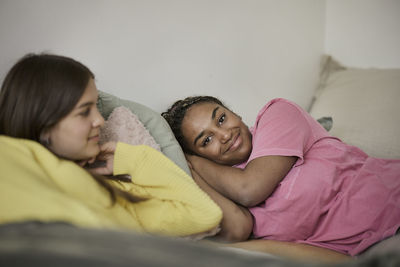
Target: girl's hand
{"x": 188, "y": 157}
{"x": 194, "y": 161}
{"x": 85, "y": 162}
{"x": 105, "y": 159}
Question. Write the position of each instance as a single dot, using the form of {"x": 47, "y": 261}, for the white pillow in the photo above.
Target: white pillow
{"x": 364, "y": 105}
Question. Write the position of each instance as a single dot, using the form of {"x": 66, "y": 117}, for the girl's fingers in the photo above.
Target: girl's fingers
{"x": 103, "y": 163}
{"x": 100, "y": 171}
{"x": 108, "y": 147}
{"x": 81, "y": 163}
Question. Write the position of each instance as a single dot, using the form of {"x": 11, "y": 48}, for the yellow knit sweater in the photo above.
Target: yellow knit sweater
{"x": 37, "y": 185}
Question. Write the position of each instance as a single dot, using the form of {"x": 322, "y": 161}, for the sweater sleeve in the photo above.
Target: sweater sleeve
{"x": 175, "y": 205}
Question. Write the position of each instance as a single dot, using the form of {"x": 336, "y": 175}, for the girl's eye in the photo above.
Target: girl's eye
{"x": 206, "y": 141}
{"x": 85, "y": 113}
{"x": 221, "y": 119}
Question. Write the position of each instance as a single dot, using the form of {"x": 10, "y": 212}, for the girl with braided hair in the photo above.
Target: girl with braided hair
{"x": 303, "y": 187}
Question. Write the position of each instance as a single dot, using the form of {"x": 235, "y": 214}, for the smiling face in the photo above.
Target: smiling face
{"x": 216, "y": 133}
{"x": 76, "y": 136}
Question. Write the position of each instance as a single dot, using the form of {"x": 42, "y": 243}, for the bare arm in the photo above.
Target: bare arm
{"x": 249, "y": 186}
{"x": 290, "y": 250}
{"x": 237, "y": 222}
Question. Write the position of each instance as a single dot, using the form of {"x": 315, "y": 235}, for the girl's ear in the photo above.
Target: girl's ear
{"x": 45, "y": 138}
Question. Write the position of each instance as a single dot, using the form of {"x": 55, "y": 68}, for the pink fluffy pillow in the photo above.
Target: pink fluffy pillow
{"x": 124, "y": 126}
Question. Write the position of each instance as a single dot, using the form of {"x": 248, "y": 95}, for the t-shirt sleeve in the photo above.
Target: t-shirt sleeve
{"x": 281, "y": 129}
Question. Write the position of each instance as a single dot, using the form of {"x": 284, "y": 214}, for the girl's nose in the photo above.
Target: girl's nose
{"x": 224, "y": 135}
{"x": 98, "y": 120}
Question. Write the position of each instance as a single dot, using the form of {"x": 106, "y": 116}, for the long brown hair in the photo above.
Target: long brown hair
{"x": 40, "y": 90}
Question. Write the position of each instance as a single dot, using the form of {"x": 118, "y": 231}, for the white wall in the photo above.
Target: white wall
{"x": 364, "y": 33}
{"x": 156, "y": 51}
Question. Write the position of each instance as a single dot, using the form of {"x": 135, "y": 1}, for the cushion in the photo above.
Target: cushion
{"x": 152, "y": 121}
{"x": 326, "y": 122}
{"x": 124, "y": 126}
{"x": 364, "y": 106}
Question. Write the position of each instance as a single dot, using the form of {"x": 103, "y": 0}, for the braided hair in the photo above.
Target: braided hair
{"x": 175, "y": 114}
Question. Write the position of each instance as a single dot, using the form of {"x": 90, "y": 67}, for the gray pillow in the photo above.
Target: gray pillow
{"x": 326, "y": 122}
{"x": 364, "y": 104}
{"x": 154, "y": 123}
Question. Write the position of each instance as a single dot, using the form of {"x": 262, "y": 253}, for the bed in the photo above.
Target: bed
{"x": 364, "y": 110}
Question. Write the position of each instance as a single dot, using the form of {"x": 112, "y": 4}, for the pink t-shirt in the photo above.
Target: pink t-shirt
{"x": 335, "y": 196}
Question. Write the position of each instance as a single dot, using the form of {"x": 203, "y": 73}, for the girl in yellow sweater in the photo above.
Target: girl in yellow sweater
{"x": 49, "y": 135}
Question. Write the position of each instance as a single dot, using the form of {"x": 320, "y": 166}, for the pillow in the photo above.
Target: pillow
{"x": 364, "y": 105}
{"x": 326, "y": 122}
{"x": 124, "y": 126}
{"x": 152, "y": 121}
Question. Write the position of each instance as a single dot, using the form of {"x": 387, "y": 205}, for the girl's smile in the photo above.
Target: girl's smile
{"x": 235, "y": 144}
{"x": 214, "y": 132}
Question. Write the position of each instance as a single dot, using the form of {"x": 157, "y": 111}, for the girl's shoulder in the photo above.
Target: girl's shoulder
{"x": 279, "y": 105}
